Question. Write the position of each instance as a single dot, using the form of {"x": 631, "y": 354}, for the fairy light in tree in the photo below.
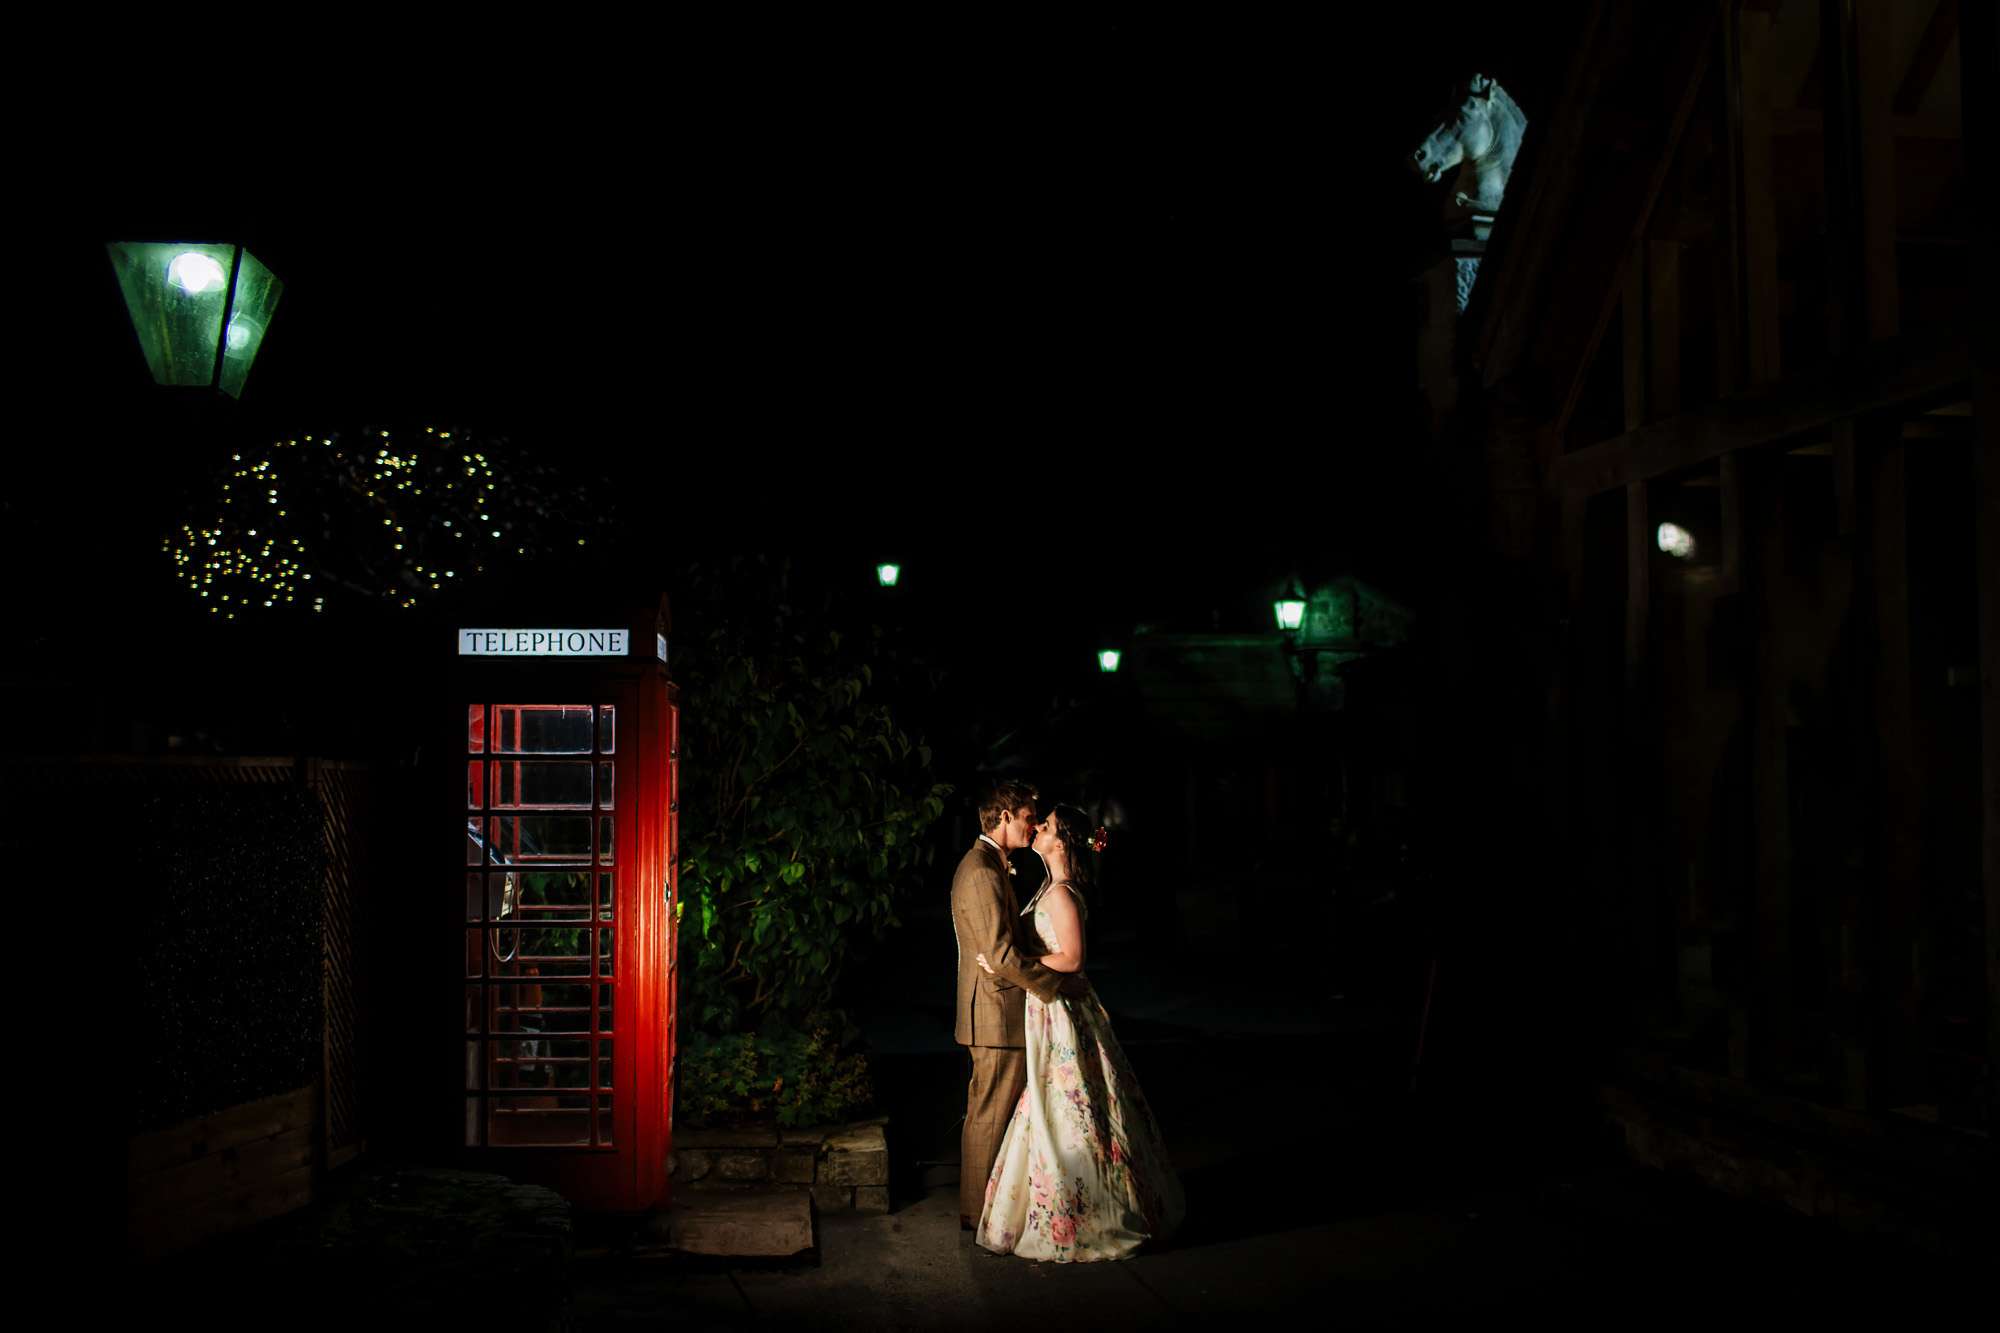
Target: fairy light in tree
{"x": 308, "y": 524}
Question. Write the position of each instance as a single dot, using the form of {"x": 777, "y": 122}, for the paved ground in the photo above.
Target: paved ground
{"x": 1318, "y": 1190}
{"x": 1595, "y": 1248}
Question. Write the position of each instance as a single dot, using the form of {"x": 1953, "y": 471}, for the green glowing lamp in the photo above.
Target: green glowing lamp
{"x": 200, "y": 310}
{"x": 887, "y": 575}
{"x": 1107, "y": 660}
{"x": 1291, "y": 613}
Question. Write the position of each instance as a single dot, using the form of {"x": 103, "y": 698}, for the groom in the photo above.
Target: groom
{"x": 986, "y": 916}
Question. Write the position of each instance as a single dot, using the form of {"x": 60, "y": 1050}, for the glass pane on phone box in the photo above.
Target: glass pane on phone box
{"x": 525, "y": 839}
{"x": 541, "y": 896}
{"x": 475, "y": 786}
{"x": 475, "y": 1007}
{"x": 607, "y": 729}
{"x": 606, "y": 897}
{"x": 473, "y": 1065}
{"x": 605, "y": 841}
{"x": 472, "y": 883}
{"x": 538, "y": 1119}
{"x": 475, "y": 728}
{"x": 475, "y": 842}
{"x": 475, "y": 953}
{"x": 606, "y": 785}
{"x": 604, "y": 1120}
{"x": 604, "y": 952}
{"x": 555, "y": 952}
{"x": 538, "y": 1062}
{"x": 538, "y": 785}
{"x": 542, "y": 729}
{"x": 541, "y": 1007}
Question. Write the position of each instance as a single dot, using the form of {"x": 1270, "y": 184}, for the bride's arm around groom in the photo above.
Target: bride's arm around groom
{"x": 979, "y": 902}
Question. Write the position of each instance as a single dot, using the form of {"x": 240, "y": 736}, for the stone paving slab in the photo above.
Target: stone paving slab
{"x": 753, "y": 1224}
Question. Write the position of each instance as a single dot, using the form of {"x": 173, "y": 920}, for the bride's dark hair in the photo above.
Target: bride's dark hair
{"x": 1078, "y": 837}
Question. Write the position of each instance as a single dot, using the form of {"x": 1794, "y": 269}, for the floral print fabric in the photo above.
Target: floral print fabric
{"x": 1082, "y": 1172}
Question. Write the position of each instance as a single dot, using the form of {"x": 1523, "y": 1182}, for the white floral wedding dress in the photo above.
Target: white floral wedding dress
{"x": 1082, "y": 1173}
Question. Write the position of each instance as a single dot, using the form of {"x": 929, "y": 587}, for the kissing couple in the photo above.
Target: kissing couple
{"x": 1061, "y": 1158}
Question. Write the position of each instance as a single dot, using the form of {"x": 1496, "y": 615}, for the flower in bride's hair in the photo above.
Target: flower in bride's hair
{"x": 1099, "y": 839}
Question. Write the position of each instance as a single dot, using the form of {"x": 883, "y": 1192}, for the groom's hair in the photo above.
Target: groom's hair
{"x": 1003, "y": 798}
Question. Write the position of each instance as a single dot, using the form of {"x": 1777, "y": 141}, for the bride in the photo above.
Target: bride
{"x": 1082, "y": 1173}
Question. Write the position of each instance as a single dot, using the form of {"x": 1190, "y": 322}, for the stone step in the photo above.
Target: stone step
{"x": 762, "y": 1224}
{"x": 845, "y": 1166}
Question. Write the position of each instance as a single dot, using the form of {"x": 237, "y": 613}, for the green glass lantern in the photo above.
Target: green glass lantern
{"x": 887, "y": 575}
{"x": 1291, "y": 613}
{"x": 1107, "y": 660}
{"x": 200, "y": 310}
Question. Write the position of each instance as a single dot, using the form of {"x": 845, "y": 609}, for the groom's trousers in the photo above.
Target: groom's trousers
{"x": 999, "y": 1077}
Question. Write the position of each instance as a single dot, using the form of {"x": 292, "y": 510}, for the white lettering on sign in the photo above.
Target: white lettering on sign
{"x": 544, "y": 642}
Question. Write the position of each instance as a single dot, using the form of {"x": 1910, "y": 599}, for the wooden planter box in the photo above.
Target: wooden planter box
{"x": 219, "y": 1172}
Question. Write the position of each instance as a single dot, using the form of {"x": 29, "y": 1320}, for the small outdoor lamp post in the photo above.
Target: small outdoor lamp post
{"x": 886, "y": 575}
{"x": 1291, "y": 613}
{"x": 200, "y": 310}
{"x": 1107, "y": 661}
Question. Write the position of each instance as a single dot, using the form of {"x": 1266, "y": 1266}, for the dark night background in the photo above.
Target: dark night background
{"x": 1120, "y": 299}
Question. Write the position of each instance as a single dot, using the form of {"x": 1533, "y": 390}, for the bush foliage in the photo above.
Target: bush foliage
{"x": 799, "y": 1077}
{"x": 802, "y": 802}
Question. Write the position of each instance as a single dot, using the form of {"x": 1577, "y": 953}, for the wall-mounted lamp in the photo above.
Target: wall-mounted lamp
{"x": 200, "y": 309}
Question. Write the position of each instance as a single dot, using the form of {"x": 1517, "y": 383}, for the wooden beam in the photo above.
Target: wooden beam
{"x": 1638, "y": 586}
{"x": 1539, "y": 190}
{"x": 1770, "y": 936}
{"x": 1592, "y": 186}
{"x": 1797, "y": 122}
{"x": 1567, "y": 358}
{"x": 1846, "y": 477}
{"x": 1633, "y": 308}
{"x": 1663, "y": 328}
{"x": 1757, "y": 51}
{"x": 1726, "y": 273}
{"x": 1896, "y": 780}
{"x": 1929, "y": 56}
{"x": 1860, "y": 157}
{"x": 1574, "y": 552}
{"x": 1902, "y": 373}
{"x": 1731, "y": 468}
{"x": 1986, "y": 581}
{"x": 1977, "y": 40}
{"x": 1873, "y": 97}
{"x": 1846, "y": 279}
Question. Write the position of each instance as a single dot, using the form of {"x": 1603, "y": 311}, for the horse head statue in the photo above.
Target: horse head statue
{"x": 1479, "y": 132}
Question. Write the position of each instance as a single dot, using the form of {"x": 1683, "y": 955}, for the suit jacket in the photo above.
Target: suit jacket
{"x": 987, "y": 919}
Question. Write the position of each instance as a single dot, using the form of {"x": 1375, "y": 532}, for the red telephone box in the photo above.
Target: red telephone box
{"x": 570, "y": 802}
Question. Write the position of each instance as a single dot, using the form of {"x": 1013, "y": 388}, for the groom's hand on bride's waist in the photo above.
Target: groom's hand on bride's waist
{"x": 1075, "y": 985}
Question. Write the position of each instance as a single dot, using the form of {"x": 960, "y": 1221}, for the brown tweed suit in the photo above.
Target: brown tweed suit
{"x": 986, "y": 918}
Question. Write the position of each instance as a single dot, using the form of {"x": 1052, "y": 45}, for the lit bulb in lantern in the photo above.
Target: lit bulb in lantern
{"x": 195, "y": 273}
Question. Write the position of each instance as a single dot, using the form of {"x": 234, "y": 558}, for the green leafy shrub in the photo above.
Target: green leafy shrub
{"x": 799, "y": 1078}
{"x": 801, "y": 806}
{"x": 802, "y": 809}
